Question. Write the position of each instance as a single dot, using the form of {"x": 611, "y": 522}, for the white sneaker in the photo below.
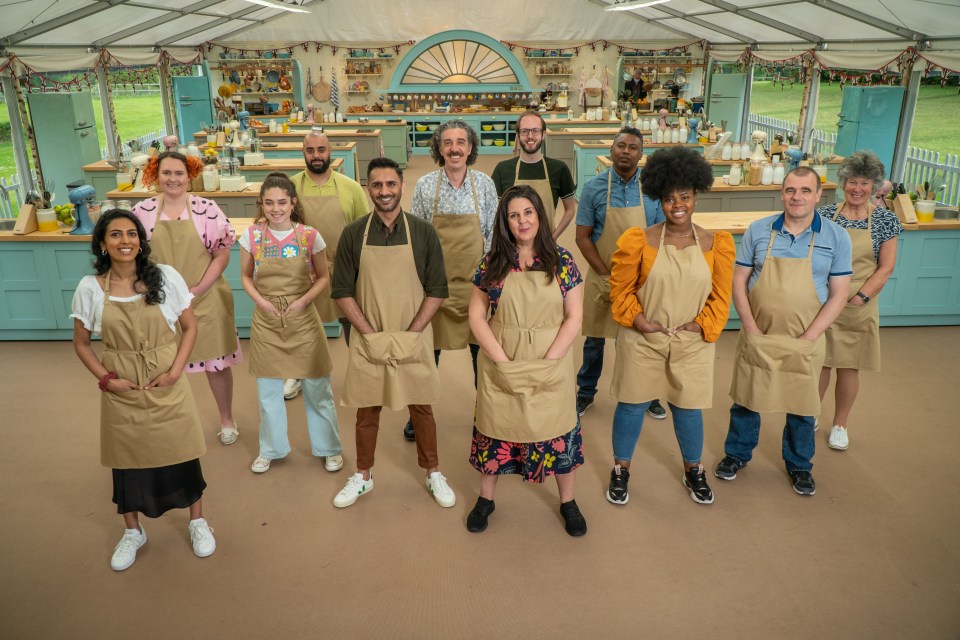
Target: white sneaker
{"x": 442, "y": 493}
{"x": 125, "y": 552}
{"x": 838, "y": 438}
{"x": 201, "y": 535}
{"x": 333, "y": 463}
{"x": 260, "y": 465}
{"x": 356, "y": 487}
{"x": 291, "y": 389}
{"x": 816, "y": 424}
{"x": 229, "y": 435}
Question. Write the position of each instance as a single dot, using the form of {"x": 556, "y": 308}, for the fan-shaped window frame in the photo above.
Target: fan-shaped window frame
{"x": 398, "y": 86}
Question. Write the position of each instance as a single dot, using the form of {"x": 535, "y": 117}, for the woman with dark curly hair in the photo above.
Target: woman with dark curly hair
{"x": 526, "y": 422}
{"x": 670, "y": 287}
{"x": 194, "y": 236}
{"x": 853, "y": 340}
{"x": 150, "y": 433}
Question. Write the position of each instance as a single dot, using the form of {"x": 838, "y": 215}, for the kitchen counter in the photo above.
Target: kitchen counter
{"x": 562, "y": 143}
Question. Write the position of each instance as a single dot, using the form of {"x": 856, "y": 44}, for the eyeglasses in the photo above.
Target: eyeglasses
{"x": 530, "y": 132}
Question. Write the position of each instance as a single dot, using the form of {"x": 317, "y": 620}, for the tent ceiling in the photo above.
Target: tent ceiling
{"x": 730, "y": 22}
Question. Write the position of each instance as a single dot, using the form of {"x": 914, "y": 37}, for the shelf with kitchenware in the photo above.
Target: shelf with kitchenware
{"x": 260, "y": 77}
{"x": 421, "y": 128}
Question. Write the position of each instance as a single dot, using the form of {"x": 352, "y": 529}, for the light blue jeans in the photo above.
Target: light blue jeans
{"x": 628, "y": 421}
{"x": 322, "y": 423}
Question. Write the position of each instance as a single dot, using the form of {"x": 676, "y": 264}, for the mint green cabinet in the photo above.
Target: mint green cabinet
{"x": 26, "y": 300}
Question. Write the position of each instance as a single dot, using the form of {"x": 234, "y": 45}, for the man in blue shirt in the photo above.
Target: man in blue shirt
{"x": 790, "y": 282}
{"x": 610, "y": 204}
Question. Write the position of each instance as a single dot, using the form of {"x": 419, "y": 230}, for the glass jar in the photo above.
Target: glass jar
{"x": 778, "y": 173}
{"x": 736, "y": 176}
{"x": 735, "y": 152}
{"x": 726, "y": 153}
{"x": 766, "y": 173}
{"x": 229, "y": 167}
{"x": 211, "y": 179}
{"x": 745, "y": 150}
{"x": 756, "y": 172}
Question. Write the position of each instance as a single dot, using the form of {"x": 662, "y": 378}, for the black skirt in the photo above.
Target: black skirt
{"x": 155, "y": 491}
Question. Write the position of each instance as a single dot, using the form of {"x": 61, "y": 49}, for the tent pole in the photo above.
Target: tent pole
{"x": 27, "y": 127}
{"x": 109, "y": 115}
{"x": 745, "y": 132}
{"x": 810, "y": 117}
{"x": 16, "y": 133}
{"x": 163, "y": 70}
{"x": 911, "y": 76}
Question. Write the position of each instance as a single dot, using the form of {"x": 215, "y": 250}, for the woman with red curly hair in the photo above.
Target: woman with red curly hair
{"x": 194, "y": 236}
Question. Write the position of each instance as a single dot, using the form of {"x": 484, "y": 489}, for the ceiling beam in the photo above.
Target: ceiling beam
{"x": 705, "y": 24}
{"x": 257, "y": 23}
{"x": 770, "y": 22}
{"x": 156, "y": 22}
{"x": 651, "y": 21}
{"x": 868, "y": 19}
{"x": 44, "y": 27}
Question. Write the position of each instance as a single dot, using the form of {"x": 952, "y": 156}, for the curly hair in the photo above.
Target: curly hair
{"x": 151, "y": 172}
{"x": 278, "y": 180}
{"x": 675, "y": 168}
{"x": 862, "y": 164}
{"x": 503, "y": 246}
{"x": 147, "y": 271}
{"x": 456, "y": 123}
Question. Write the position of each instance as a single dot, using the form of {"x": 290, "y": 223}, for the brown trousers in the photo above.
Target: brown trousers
{"x": 424, "y": 426}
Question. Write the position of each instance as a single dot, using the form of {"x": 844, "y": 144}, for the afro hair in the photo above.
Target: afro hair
{"x": 675, "y": 168}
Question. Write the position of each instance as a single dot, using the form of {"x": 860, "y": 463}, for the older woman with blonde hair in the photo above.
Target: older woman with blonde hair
{"x": 853, "y": 341}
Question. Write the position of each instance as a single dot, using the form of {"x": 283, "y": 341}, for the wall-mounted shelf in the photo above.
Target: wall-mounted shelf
{"x": 363, "y": 75}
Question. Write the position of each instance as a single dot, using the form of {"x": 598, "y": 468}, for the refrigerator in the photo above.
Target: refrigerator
{"x": 67, "y": 139}
{"x": 725, "y": 102}
{"x": 194, "y": 105}
{"x": 868, "y": 120}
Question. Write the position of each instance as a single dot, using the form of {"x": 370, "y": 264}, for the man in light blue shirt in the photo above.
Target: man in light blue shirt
{"x": 622, "y": 184}
{"x": 790, "y": 282}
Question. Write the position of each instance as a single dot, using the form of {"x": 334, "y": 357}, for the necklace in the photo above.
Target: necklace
{"x": 678, "y": 235}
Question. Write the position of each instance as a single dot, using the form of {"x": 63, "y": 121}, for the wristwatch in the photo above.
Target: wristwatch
{"x": 863, "y": 297}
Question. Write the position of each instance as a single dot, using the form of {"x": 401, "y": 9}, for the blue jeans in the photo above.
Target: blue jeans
{"x": 322, "y": 423}
{"x": 592, "y": 367}
{"x": 628, "y": 421}
{"x": 799, "y": 443}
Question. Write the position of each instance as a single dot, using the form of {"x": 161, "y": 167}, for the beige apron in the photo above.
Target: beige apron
{"x": 150, "y": 428}
{"x": 528, "y": 399}
{"x": 543, "y": 189}
{"x": 325, "y": 214}
{"x": 597, "y": 313}
{"x": 853, "y": 340}
{"x": 176, "y": 243}
{"x": 288, "y": 346}
{"x": 776, "y": 370}
{"x": 462, "y": 244}
{"x": 392, "y": 367}
{"x": 678, "y": 368}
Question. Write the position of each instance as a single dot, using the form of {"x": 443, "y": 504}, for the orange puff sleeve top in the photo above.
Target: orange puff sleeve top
{"x": 633, "y": 260}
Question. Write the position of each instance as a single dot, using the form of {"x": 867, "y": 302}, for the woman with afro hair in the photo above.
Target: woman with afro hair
{"x": 194, "y": 236}
{"x": 670, "y": 287}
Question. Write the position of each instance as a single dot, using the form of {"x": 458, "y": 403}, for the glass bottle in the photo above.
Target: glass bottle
{"x": 736, "y": 175}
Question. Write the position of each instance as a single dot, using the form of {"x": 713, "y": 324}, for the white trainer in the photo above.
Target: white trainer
{"x": 260, "y": 465}
{"x": 229, "y": 435}
{"x": 442, "y": 493}
{"x": 816, "y": 424}
{"x": 201, "y": 535}
{"x": 125, "y": 553}
{"x": 291, "y": 388}
{"x": 333, "y": 463}
{"x": 356, "y": 487}
{"x": 838, "y": 438}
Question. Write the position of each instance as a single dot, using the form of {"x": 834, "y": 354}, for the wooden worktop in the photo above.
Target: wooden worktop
{"x": 277, "y": 164}
{"x": 354, "y": 132}
{"x": 252, "y": 189}
{"x": 350, "y": 123}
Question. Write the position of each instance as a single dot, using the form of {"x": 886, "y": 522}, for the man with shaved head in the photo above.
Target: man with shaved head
{"x": 330, "y": 202}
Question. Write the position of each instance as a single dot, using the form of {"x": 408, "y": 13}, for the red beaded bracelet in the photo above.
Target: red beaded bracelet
{"x": 107, "y": 377}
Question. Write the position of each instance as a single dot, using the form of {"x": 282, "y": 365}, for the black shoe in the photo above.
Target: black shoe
{"x": 583, "y": 404}
{"x": 728, "y": 467}
{"x": 803, "y": 482}
{"x": 477, "y": 519}
{"x": 696, "y": 481}
{"x": 573, "y": 520}
{"x": 408, "y": 431}
{"x": 617, "y": 491}
{"x": 656, "y": 411}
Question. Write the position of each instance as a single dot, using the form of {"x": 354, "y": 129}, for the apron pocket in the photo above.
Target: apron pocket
{"x": 778, "y": 353}
{"x": 600, "y": 290}
{"x": 525, "y": 377}
{"x": 391, "y": 347}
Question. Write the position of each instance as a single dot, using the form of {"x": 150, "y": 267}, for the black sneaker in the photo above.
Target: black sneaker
{"x": 477, "y": 519}
{"x": 408, "y": 431}
{"x": 583, "y": 404}
{"x": 803, "y": 482}
{"x": 728, "y": 467}
{"x": 573, "y": 520}
{"x": 696, "y": 481}
{"x": 656, "y": 411}
{"x": 617, "y": 491}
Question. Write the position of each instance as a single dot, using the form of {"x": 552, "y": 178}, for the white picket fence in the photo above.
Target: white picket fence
{"x": 144, "y": 140}
{"x": 10, "y": 197}
{"x": 920, "y": 166}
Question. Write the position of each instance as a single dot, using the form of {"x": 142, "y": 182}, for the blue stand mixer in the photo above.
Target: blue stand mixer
{"x": 82, "y": 197}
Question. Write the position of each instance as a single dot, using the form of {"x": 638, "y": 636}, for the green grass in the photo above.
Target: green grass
{"x": 933, "y": 126}
{"x": 136, "y": 116}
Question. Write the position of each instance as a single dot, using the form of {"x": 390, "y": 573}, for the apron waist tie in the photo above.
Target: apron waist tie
{"x": 528, "y": 332}
{"x": 281, "y": 303}
{"x": 149, "y": 355}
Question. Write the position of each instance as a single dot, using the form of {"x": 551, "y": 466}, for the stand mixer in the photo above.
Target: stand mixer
{"x": 82, "y": 197}
{"x": 137, "y": 163}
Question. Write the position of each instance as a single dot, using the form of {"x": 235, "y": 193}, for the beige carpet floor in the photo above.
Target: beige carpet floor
{"x": 873, "y": 555}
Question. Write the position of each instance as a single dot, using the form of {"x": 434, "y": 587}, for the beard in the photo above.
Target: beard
{"x": 318, "y": 166}
{"x": 534, "y": 146}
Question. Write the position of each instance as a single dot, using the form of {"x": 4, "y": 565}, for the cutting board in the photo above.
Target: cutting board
{"x": 321, "y": 90}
